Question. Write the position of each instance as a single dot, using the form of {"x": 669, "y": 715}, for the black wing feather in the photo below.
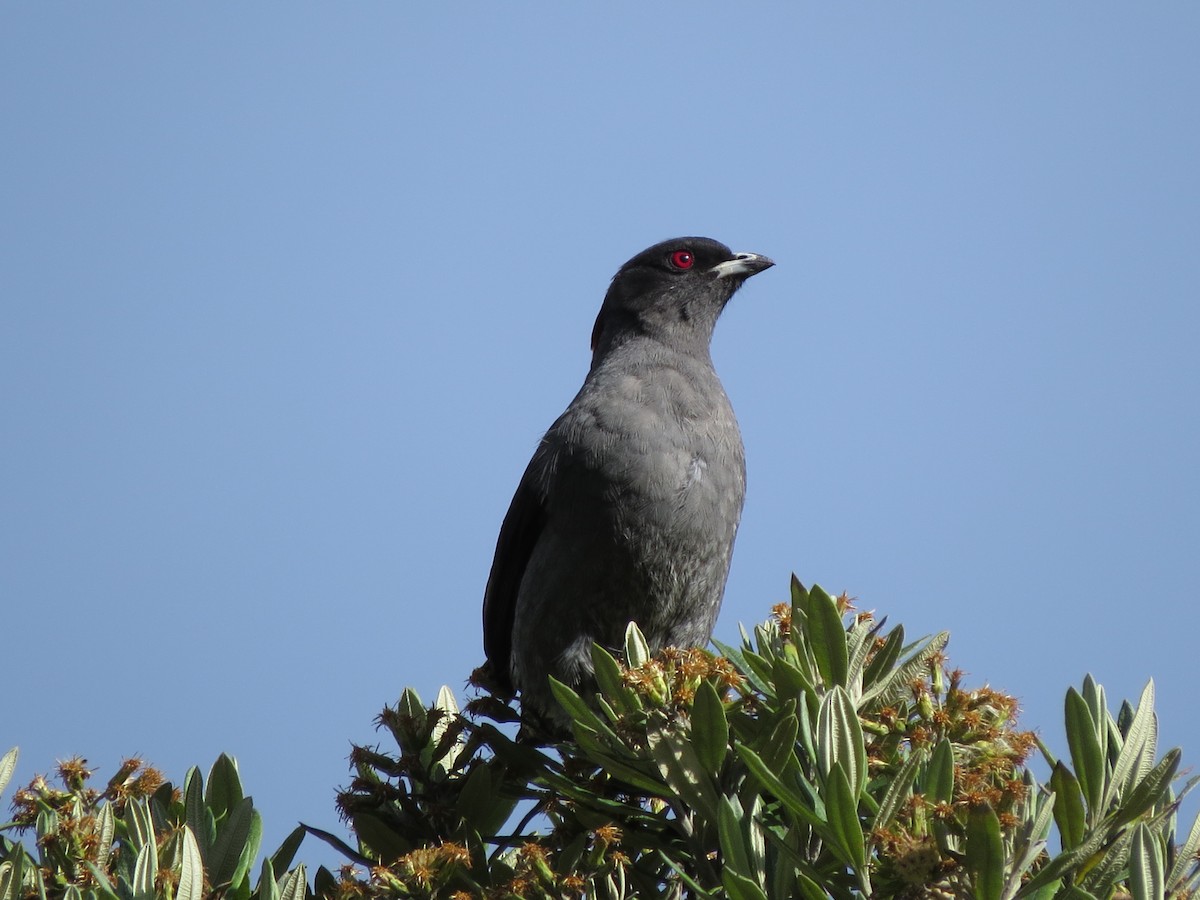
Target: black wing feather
{"x": 518, "y": 535}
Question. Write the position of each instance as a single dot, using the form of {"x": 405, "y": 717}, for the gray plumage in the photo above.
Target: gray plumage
{"x": 630, "y": 505}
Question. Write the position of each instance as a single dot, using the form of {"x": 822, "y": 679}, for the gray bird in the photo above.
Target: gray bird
{"x": 630, "y": 505}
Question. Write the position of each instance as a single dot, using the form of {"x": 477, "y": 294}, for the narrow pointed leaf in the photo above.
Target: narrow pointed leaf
{"x": 885, "y": 657}
{"x": 840, "y": 739}
{"x": 939, "y": 776}
{"x": 581, "y": 714}
{"x": 1033, "y": 847}
{"x": 103, "y": 886}
{"x": 859, "y": 642}
{"x": 144, "y": 871}
{"x": 739, "y": 887}
{"x": 710, "y": 728}
{"x": 898, "y": 792}
{"x": 197, "y": 816}
{"x": 1100, "y": 877}
{"x": 106, "y": 827}
{"x": 792, "y": 799}
{"x": 608, "y": 672}
{"x": 1130, "y": 759}
{"x": 1185, "y": 859}
{"x": 827, "y": 636}
{"x": 139, "y": 824}
{"x": 224, "y": 790}
{"x": 985, "y": 853}
{"x": 1145, "y": 865}
{"x": 1153, "y": 790}
{"x": 282, "y": 858}
{"x": 841, "y": 807}
{"x": 8, "y": 763}
{"x": 191, "y": 870}
{"x": 733, "y": 846}
{"x": 637, "y": 651}
{"x": 294, "y": 885}
{"x": 268, "y": 888}
{"x": 680, "y": 767}
{"x": 893, "y": 685}
{"x": 1068, "y": 806}
{"x": 232, "y": 837}
{"x": 1087, "y": 756}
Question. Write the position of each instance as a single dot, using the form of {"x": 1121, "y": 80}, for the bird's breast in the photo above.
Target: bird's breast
{"x": 660, "y": 451}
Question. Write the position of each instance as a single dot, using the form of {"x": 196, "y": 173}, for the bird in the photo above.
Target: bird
{"x": 629, "y": 508}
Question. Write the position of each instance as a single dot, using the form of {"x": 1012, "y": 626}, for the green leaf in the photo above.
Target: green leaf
{"x": 895, "y": 684}
{"x": 729, "y": 830}
{"x": 191, "y": 871}
{"x": 12, "y": 875}
{"x": 1145, "y": 864}
{"x": 1074, "y": 893}
{"x": 295, "y": 885}
{"x": 1031, "y": 843}
{"x": 197, "y": 816}
{"x": 778, "y": 748}
{"x": 738, "y": 658}
{"x": 481, "y": 803}
{"x": 739, "y": 887}
{"x": 637, "y": 651}
{"x": 224, "y": 787}
{"x": 103, "y": 886}
{"x": 788, "y": 672}
{"x": 144, "y": 871}
{"x": 1137, "y": 750}
{"x": 608, "y": 673}
{"x": 1069, "y": 861}
{"x": 841, "y": 806}
{"x": 581, "y": 714}
{"x": 8, "y": 763}
{"x": 1185, "y": 858}
{"x": 898, "y": 791}
{"x": 448, "y": 705}
{"x": 985, "y": 853}
{"x": 827, "y": 636}
{"x": 1087, "y": 756}
{"x": 1068, "y": 806}
{"x": 106, "y": 827}
{"x": 885, "y": 657}
{"x": 267, "y": 888}
{"x": 939, "y": 776}
{"x": 324, "y": 884}
{"x": 1153, "y": 790}
{"x": 710, "y": 728}
{"x": 233, "y": 838}
{"x": 793, "y": 800}
{"x": 1101, "y": 876}
{"x": 378, "y": 839}
{"x": 139, "y": 824}
{"x": 799, "y": 594}
{"x": 859, "y": 641}
{"x": 282, "y": 858}
{"x": 682, "y": 770}
{"x": 840, "y": 739}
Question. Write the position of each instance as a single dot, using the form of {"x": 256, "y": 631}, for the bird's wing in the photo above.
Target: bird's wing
{"x": 522, "y": 526}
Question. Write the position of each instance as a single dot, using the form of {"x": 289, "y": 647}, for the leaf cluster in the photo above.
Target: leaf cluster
{"x": 141, "y": 838}
{"x": 823, "y": 757}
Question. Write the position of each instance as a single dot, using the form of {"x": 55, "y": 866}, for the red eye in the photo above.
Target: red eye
{"x": 682, "y": 259}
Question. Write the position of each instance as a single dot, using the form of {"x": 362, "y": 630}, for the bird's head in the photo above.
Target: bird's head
{"x": 673, "y": 292}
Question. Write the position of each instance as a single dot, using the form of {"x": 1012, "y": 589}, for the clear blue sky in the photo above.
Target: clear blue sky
{"x": 290, "y": 291}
